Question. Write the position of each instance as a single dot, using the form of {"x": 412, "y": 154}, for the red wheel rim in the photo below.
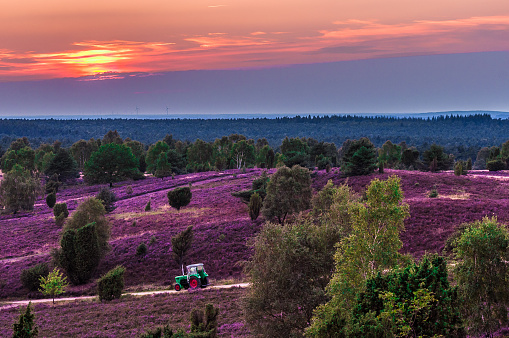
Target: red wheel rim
{"x": 177, "y": 287}
{"x": 193, "y": 283}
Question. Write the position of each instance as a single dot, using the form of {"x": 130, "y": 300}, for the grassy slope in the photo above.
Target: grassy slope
{"x": 221, "y": 230}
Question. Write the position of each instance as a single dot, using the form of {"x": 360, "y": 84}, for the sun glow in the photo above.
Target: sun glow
{"x": 337, "y": 40}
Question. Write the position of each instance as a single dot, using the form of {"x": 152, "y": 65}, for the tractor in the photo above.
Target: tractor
{"x": 196, "y": 277}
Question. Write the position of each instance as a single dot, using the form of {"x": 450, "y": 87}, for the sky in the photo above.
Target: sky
{"x": 104, "y": 38}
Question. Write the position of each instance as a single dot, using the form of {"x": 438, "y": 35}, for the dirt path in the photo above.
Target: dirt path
{"x": 9, "y": 305}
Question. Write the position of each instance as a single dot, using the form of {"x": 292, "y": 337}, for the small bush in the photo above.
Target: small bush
{"x": 141, "y": 250}
{"x": 111, "y": 284}
{"x": 52, "y": 184}
{"x": 51, "y": 199}
{"x": 60, "y": 219}
{"x": 153, "y": 239}
{"x": 204, "y": 323}
{"x": 25, "y": 327}
{"x": 495, "y": 165}
{"x": 30, "y": 277}
{"x": 60, "y": 208}
{"x": 433, "y": 193}
{"x": 255, "y": 205}
{"x": 179, "y": 197}
{"x": 108, "y": 198}
{"x": 458, "y": 169}
{"x": 129, "y": 190}
{"x": 133, "y": 224}
{"x": 147, "y": 207}
{"x": 162, "y": 332}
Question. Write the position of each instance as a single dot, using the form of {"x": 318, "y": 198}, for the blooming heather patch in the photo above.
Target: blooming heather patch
{"x": 222, "y": 225}
{"x": 131, "y": 316}
{"x": 432, "y": 220}
{"x": 220, "y": 220}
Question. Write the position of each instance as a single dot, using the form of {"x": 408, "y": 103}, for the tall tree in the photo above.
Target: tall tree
{"x": 111, "y": 163}
{"x": 482, "y": 272}
{"x": 289, "y": 271}
{"x": 242, "y": 154}
{"x": 436, "y": 159}
{"x": 288, "y": 191}
{"x": 19, "y": 189}
{"x": 82, "y": 150}
{"x": 372, "y": 246}
{"x": 153, "y": 155}
{"x": 64, "y": 165}
{"x": 112, "y": 137}
{"x": 359, "y": 157}
{"x": 180, "y": 245}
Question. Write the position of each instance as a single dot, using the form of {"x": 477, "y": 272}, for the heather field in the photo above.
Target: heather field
{"x": 222, "y": 227}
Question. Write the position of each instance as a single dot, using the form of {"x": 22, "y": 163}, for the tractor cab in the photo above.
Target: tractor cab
{"x": 196, "y": 277}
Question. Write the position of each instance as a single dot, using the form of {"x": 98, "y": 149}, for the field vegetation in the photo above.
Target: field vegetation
{"x": 224, "y": 204}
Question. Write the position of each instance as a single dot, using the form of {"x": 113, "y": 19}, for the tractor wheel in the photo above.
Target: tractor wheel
{"x": 205, "y": 282}
{"x": 177, "y": 287}
{"x": 194, "y": 283}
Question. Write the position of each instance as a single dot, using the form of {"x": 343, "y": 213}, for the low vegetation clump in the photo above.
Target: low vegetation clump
{"x": 51, "y": 199}
{"x": 111, "y": 285}
{"x": 255, "y": 205}
{"x": 60, "y": 210}
{"x": 179, "y": 197}
{"x": 26, "y": 327}
{"x": 108, "y": 198}
{"x": 141, "y": 250}
{"x": 30, "y": 278}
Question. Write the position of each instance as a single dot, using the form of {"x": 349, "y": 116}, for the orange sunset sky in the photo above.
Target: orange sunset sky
{"x": 56, "y": 38}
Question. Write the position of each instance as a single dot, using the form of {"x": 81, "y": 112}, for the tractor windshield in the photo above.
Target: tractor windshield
{"x": 192, "y": 270}
{"x": 200, "y": 268}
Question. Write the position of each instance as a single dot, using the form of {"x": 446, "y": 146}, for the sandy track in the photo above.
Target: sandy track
{"x": 9, "y": 305}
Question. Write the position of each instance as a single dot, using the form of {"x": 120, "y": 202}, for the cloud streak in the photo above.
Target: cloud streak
{"x": 341, "y": 40}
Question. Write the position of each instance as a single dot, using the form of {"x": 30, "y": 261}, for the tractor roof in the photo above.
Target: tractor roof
{"x": 192, "y": 265}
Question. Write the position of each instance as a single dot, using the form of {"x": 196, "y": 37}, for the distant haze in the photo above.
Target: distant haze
{"x": 418, "y": 84}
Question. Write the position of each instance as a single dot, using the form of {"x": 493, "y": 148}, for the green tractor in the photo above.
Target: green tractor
{"x": 196, "y": 278}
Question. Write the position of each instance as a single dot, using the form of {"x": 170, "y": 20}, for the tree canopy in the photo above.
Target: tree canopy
{"x": 111, "y": 163}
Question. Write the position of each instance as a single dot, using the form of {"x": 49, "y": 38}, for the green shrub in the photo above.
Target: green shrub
{"x": 129, "y": 190}
{"x": 458, "y": 168}
{"x": 30, "y": 277}
{"x": 255, "y": 205}
{"x": 108, "y": 198}
{"x": 141, "y": 250}
{"x": 110, "y": 285}
{"x": 25, "y": 327}
{"x": 204, "y": 324}
{"x": 179, "y": 197}
{"x": 51, "y": 199}
{"x": 80, "y": 253}
{"x": 60, "y": 219}
{"x": 60, "y": 208}
{"x": 147, "y": 206}
{"x": 163, "y": 332}
{"x": 52, "y": 184}
{"x": 433, "y": 193}
{"x": 495, "y": 165}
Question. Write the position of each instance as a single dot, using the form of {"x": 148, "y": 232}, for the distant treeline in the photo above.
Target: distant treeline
{"x": 462, "y": 136}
